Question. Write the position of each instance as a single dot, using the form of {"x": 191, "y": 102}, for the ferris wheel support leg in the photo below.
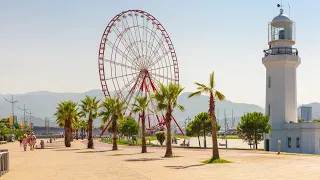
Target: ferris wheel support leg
{"x": 106, "y": 127}
{"x": 177, "y": 125}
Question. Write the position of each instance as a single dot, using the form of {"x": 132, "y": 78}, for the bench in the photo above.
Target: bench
{"x": 4, "y": 161}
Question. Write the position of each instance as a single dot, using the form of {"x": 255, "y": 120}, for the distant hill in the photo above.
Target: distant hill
{"x": 44, "y": 103}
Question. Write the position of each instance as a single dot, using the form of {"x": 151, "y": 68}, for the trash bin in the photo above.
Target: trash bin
{"x": 50, "y": 140}
{"x": 42, "y": 144}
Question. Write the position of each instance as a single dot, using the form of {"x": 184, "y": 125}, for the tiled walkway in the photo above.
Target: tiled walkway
{"x": 60, "y": 163}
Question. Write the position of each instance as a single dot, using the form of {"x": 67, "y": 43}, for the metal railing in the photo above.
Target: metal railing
{"x": 4, "y": 161}
{"x": 281, "y": 51}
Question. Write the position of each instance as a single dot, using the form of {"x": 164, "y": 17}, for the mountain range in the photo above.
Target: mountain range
{"x": 43, "y": 105}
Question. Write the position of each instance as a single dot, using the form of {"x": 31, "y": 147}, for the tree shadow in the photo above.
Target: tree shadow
{"x": 126, "y": 154}
{"x": 93, "y": 151}
{"x": 58, "y": 149}
{"x": 143, "y": 159}
{"x": 184, "y": 167}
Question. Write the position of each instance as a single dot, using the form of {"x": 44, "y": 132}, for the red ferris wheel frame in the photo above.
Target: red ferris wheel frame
{"x": 147, "y": 84}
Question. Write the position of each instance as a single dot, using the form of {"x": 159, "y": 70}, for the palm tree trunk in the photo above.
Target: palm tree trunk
{"x": 199, "y": 141}
{"x": 71, "y": 133}
{"x": 114, "y": 128}
{"x": 204, "y": 136}
{"x": 168, "y": 143}
{"x": 68, "y": 132}
{"x": 90, "y": 140}
{"x": 82, "y": 135}
{"x": 215, "y": 150}
{"x": 144, "y": 146}
{"x": 77, "y": 136}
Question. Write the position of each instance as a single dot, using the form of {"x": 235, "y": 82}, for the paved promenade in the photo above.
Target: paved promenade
{"x": 60, "y": 163}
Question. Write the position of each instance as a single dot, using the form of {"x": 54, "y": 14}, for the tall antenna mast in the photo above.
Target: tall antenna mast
{"x": 289, "y": 9}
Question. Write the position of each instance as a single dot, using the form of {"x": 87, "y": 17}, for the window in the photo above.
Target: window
{"x": 289, "y": 142}
{"x": 269, "y": 110}
{"x": 298, "y": 142}
{"x": 269, "y": 82}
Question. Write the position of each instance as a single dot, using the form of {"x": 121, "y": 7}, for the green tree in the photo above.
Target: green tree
{"x": 167, "y": 98}
{"x": 161, "y": 137}
{"x": 300, "y": 120}
{"x": 129, "y": 126}
{"x": 252, "y": 127}
{"x": 4, "y": 130}
{"x": 112, "y": 108}
{"x": 201, "y": 125}
{"x": 141, "y": 107}
{"x": 89, "y": 109}
{"x": 194, "y": 129}
{"x": 214, "y": 94}
{"x": 66, "y": 112}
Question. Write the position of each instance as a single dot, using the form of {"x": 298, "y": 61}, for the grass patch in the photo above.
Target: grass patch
{"x": 216, "y": 161}
{"x": 177, "y": 156}
{"x": 229, "y": 137}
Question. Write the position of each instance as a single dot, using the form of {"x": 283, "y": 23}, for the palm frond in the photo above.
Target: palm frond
{"x": 212, "y": 82}
{"x": 219, "y": 95}
{"x": 198, "y": 93}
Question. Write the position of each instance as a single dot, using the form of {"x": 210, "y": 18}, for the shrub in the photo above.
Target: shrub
{"x": 161, "y": 137}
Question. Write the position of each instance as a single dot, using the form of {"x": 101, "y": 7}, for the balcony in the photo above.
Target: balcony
{"x": 281, "y": 51}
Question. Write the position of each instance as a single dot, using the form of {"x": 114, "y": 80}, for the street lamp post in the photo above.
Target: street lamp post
{"x": 188, "y": 119}
{"x": 12, "y": 103}
{"x": 24, "y": 112}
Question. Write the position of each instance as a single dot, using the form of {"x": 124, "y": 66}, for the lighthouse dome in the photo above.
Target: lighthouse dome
{"x": 281, "y": 17}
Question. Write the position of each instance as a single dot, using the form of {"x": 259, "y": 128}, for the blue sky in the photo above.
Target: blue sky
{"x": 52, "y": 45}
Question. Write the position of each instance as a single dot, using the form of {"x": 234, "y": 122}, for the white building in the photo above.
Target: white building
{"x": 306, "y": 113}
{"x": 281, "y": 61}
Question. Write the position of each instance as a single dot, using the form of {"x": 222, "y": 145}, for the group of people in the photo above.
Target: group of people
{"x": 30, "y": 140}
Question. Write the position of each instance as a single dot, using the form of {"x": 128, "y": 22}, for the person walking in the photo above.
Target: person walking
{"x": 33, "y": 141}
{"x": 20, "y": 140}
{"x": 25, "y": 142}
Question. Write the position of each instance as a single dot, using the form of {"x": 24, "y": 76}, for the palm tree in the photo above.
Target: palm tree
{"x": 141, "y": 107}
{"x": 84, "y": 127}
{"x": 76, "y": 126}
{"x": 167, "y": 100}
{"x": 214, "y": 94}
{"x": 89, "y": 108}
{"x": 66, "y": 113}
{"x": 113, "y": 109}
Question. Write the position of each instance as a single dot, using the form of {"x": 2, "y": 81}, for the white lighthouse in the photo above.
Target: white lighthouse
{"x": 281, "y": 61}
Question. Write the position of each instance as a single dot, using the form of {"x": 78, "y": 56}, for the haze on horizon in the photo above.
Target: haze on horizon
{"x": 53, "y": 45}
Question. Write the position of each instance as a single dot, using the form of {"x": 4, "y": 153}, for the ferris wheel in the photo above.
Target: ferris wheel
{"x": 136, "y": 54}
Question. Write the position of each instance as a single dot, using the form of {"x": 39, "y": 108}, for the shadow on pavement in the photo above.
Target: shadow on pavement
{"x": 93, "y": 151}
{"x": 184, "y": 167}
{"x": 60, "y": 149}
{"x": 143, "y": 159}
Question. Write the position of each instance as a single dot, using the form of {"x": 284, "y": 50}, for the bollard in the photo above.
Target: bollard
{"x": 279, "y": 143}
{"x": 42, "y": 144}
{"x": 50, "y": 140}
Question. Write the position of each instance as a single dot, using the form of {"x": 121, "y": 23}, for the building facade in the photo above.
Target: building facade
{"x": 281, "y": 61}
{"x": 306, "y": 113}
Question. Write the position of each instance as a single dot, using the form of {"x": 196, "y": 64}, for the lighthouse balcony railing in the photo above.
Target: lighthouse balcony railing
{"x": 281, "y": 51}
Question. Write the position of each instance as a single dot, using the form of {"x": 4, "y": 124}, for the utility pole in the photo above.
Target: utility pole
{"x": 30, "y": 113}
{"x": 12, "y": 103}
{"x": 225, "y": 128}
{"x": 185, "y": 124}
{"x": 232, "y": 125}
{"x": 24, "y": 112}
